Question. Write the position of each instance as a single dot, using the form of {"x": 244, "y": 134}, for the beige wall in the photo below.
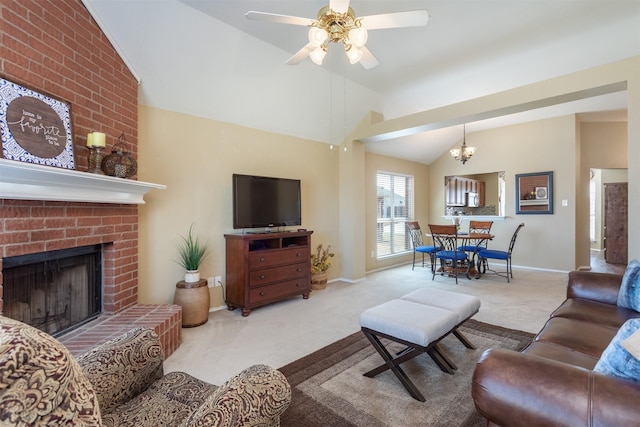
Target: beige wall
{"x": 603, "y": 146}
{"x": 545, "y": 145}
{"x": 420, "y": 172}
{"x": 195, "y": 158}
{"x": 622, "y": 76}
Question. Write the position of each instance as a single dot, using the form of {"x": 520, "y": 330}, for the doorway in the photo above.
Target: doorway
{"x": 616, "y": 221}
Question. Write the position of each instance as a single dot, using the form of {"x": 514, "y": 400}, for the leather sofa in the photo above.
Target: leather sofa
{"x": 122, "y": 383}
{"x": 552, "y": 382}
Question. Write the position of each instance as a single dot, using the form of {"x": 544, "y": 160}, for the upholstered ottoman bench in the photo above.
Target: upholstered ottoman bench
{"x": 419, "y": 320}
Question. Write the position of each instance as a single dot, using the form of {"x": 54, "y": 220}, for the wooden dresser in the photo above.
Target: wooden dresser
{"x": 267, "y": 267}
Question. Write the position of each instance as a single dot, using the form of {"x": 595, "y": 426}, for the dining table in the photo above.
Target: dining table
{"x": 471, "y": 239}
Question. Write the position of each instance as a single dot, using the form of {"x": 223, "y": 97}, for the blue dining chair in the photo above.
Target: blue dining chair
{"x": 472, "y": 247}
{"x": 480, "y": 227}
{"x": 418, "y": 244}
{"x": 484, "y": 255}
{"x": 452, "y": 259}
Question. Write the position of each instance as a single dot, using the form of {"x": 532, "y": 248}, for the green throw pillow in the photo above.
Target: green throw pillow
{"x": 629, "y": 294}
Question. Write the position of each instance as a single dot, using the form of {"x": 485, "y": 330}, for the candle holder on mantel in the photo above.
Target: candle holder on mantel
{"x": 95, "y": 144}
{"x": 95, "y": 160}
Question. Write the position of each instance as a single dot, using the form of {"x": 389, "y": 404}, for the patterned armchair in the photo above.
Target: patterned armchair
{"x": 121, "y": 383}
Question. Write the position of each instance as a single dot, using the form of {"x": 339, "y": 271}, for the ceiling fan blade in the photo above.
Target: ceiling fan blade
{"x": 280, "y": 19}
{"x": 414, "y": 18}
{"x": 301, "y": 54}
{"x": 340, "y": 6}
{"x": 368, "y": 60}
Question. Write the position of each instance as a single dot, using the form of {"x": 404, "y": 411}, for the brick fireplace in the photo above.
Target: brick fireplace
{"x": 56, "y": 48}
{"x": 38, "y": 226}
{"x": 29, "y": 226}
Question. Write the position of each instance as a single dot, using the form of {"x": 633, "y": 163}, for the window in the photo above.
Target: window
{"x": 394, "y": 209}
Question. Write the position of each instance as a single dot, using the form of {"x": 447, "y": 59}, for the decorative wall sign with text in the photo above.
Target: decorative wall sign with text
{"x": 35, "y": 128}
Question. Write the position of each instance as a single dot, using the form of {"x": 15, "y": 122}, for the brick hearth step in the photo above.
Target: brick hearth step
{"x": 164, "y": 319}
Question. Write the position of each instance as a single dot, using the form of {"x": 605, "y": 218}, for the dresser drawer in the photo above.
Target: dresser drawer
{"x": 261, "y": 259}
{"x": 276, "y": 274}
{"x": 278, "y": 290}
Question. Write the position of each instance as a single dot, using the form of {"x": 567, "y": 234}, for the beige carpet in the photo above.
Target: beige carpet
{"x": 330, "y": 390}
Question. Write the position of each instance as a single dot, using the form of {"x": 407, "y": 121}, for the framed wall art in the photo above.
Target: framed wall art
{"x": 534, "y": 193}
{"x": 36, "y": 128}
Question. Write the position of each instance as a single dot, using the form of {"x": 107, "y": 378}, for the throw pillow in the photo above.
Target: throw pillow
{"x": 629, "y": 294}
{"x": 632, "y": 344}
{"x": 616, "y": 360}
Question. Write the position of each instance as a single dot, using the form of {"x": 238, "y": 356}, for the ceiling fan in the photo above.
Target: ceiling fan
{"x": 338, "y": 23}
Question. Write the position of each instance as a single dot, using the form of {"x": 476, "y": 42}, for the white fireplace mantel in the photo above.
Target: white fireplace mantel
{"x": 26, "y": 181}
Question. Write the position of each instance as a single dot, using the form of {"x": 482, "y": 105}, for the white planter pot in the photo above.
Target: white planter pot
{"x": 192, "y": 276}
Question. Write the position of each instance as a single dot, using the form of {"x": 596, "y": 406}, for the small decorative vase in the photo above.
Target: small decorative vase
{"x": 319, "y": 281}
{"x": 192, "y": 276}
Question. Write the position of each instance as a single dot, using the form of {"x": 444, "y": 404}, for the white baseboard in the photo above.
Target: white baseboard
{"x": 340, "y": 279}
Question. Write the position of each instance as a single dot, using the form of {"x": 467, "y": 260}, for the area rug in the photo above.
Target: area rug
{"x": 330, "y": 390}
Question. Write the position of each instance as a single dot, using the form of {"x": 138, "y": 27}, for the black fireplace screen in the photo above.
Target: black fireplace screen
{"x": 54, "y": 291}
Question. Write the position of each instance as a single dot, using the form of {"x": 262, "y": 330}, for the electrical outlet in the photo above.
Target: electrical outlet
{"x": 210, "y": 282}
{"x": 218, "y": 281}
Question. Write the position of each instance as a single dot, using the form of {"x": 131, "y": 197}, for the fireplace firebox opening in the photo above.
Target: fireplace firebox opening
{"x": 55, "y": 291}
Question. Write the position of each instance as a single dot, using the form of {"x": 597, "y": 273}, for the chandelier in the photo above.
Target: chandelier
{"x": 337, "y": 27}
{"x": 463, "y": 153}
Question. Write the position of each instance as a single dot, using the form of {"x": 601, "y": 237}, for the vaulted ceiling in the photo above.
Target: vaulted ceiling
{"x": 203, "y": 57}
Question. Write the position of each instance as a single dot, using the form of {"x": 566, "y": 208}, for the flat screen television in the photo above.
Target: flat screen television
{"x": 260, "y": 201}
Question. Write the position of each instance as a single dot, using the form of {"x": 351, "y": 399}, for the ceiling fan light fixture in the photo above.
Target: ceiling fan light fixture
{"x": 318, "y": 54}
{"x": 358, "y": 36}
{"x": 317, "y": 35}
{"x": 354, "y": 54}
{"x": 337, "y": 23}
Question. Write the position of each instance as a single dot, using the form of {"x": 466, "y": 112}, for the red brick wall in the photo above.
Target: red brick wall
{"x": 56, "y": 48}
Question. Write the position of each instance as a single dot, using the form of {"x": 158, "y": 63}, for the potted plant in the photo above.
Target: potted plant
{"x": 192, "y": 252}
{"x": 192, "y": 294}
{"x": 320, "y": 263}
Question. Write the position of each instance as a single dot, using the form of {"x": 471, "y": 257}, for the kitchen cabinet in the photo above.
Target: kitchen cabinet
{"x": 456, "y": 189}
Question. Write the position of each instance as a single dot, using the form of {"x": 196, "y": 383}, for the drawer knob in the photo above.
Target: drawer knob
{"x": 262, "y": 276}
{"x": 298, "y": 254}
{"x": 298, "y": 285}
{"x": 261, "y": 259}
{"x": 261, "y": 294}
{"x": 298, "y": 270}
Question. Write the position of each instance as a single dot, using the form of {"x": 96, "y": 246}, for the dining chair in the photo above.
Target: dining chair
{"x": 472, "y": 246}
{"x": 417, "y": 242}
{"x": 486, "y": 254}
{"x": 477, "y": 227}
{"x": 452, "y": 259}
